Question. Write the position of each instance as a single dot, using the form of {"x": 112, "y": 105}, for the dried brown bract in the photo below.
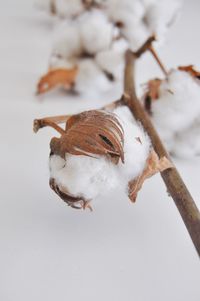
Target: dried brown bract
{"x": 71, "y": 200}
{"x": 152, "y": 93}
{"x": 57, "y": 77}
{"x": 153, "y": 166}
{"x": 91, "y": 133}
{"x": 191, "y": 70}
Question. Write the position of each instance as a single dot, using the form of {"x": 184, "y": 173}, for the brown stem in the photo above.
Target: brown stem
{"x": 53, "y": 9}
{"x": 173, "y": 181}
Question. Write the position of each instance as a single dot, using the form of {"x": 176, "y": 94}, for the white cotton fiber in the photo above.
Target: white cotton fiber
{"x": 140, "y": 19}
{"x": 160, "y": 15}
{"x": 67, "y": 40}
{"x": 111, "y": 61}
{"x": 177, "y": 108}
{"x": 96, "y": 31}
{"x": 90, "y": 77}
{"x": 91, "y": 177}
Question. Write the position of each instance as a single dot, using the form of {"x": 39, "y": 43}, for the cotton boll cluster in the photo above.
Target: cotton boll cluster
{"x": 88, "y": 177}
{"x": 95, "y": 34}
{"x": 89, "y": 44}
{"x": 176, "y": 113}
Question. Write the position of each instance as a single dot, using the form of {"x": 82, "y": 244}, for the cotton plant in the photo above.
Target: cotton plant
{"x": 89, "y": 44}
{"x": 175, "y": 110}
{"x": 118, "y": 146}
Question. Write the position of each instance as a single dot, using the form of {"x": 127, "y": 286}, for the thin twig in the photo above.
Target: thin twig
{"x": 148, "y": 46}
{"x": 173, "y": 181}
{"x": 153, "y": 52}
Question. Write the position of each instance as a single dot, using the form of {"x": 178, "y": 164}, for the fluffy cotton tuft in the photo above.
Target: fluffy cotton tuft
{"x": 67, "y": 40}
{"x": 90, "y": 177}
{"x": 176, "y": 112}
{"x": 96, "y": 31}
{"x": 94, "y": 28}
{"x": 111, "y": 61}
{"x": 90, "y": 77}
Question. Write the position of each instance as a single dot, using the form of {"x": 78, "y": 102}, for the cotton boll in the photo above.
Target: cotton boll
{"x": 90, "y": 177}
{"x": 96, "y": 31}
{"x": 178, "y": 106}
{"x": 90, "y": 77}
{"x": 67, "y": 41}
{"x": 179, "y": 97}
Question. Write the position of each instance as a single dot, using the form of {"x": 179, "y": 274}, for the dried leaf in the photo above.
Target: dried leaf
{"x": 191, "y": 70}
{"x": 153, "y": 166}
{"x": 57, "y": 77}
{"x": 91, "y": 133}
{"x": 152, "y": 93}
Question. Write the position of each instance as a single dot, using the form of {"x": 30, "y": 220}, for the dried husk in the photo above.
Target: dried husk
{"x": 92, "y": 133}
{"x": 57, "y": 77}
{"x": 153, "y": 166}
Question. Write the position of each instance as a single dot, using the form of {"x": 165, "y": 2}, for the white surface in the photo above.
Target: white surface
{"x": 50, "y": 252}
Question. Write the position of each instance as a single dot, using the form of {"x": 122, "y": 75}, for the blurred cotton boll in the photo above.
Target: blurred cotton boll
{"x": 67, "y": 40}
{"x": 96, "y": 31}
{"x": 94, "y": 36}
{"x": 176, "y": 112}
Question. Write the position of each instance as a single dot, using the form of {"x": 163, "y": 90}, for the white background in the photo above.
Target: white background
{"x": 49, "y": 251}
